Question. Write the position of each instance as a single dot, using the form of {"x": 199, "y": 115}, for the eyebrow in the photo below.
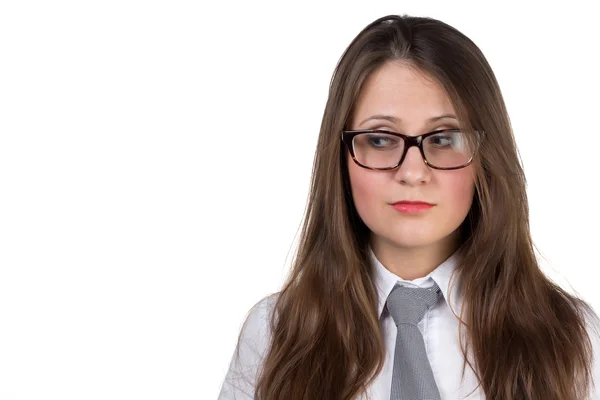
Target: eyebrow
{"x": 396, "y": 120}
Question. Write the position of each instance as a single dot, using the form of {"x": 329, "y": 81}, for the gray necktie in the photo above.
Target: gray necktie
{"x": 412, "y": 377}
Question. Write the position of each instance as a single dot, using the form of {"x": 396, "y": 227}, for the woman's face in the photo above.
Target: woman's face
{"x": 399, "y": 90}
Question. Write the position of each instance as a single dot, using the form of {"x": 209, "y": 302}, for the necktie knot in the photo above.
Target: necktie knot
{"x": 408, "y": 305}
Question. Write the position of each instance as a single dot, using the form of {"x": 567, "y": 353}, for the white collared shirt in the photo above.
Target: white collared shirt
{"x": 439, "y": 327}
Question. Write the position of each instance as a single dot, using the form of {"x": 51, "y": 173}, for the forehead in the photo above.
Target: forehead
{"x": 402, "y": 90}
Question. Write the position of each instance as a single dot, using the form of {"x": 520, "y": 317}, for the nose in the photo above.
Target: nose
{"x": 413, "y": 170}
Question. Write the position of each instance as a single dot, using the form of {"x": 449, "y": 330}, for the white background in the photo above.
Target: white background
{"x": 154, "y": 167}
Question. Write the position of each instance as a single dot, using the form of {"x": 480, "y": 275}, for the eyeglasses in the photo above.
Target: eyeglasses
{"x": 383, "y": 150}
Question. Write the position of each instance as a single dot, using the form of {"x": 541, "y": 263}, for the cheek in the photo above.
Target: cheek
{"x": 367, "y": 190}
{"x": 458, "y": 189}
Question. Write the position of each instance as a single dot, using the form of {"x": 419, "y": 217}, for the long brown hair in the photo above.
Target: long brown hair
{"x": 528, "y": 337}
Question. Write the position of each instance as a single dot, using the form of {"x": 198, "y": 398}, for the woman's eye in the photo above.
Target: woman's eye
{"x": 441, "y": 140}
{"x": 379, "y": 141}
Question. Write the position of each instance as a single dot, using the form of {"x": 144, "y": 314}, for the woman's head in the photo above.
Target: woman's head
{"x": 415, "y": 69}
{"x": 398, "y": 97}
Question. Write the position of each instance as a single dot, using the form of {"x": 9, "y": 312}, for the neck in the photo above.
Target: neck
{"x": 410, "y": 263}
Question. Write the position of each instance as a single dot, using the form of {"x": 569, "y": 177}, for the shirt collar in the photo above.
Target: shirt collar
{"x": 385, "y": 280}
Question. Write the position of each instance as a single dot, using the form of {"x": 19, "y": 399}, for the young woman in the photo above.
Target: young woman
{"x": 416, "y": 277}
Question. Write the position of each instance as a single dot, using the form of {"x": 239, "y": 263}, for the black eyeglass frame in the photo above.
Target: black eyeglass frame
{"x": 409, "y": 141}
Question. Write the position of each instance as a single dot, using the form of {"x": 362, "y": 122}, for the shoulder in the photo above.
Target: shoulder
{"x": 254, "y": 339}
{"x": 255, "y": 332}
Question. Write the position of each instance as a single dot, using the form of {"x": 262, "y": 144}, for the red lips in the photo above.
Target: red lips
{"x": 412, "y": 207}
{"x": 416, "y": 203}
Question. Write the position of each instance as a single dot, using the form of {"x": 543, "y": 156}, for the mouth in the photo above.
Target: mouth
{"x": 412, "y": 207}
{"x": 412, "y": 203}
